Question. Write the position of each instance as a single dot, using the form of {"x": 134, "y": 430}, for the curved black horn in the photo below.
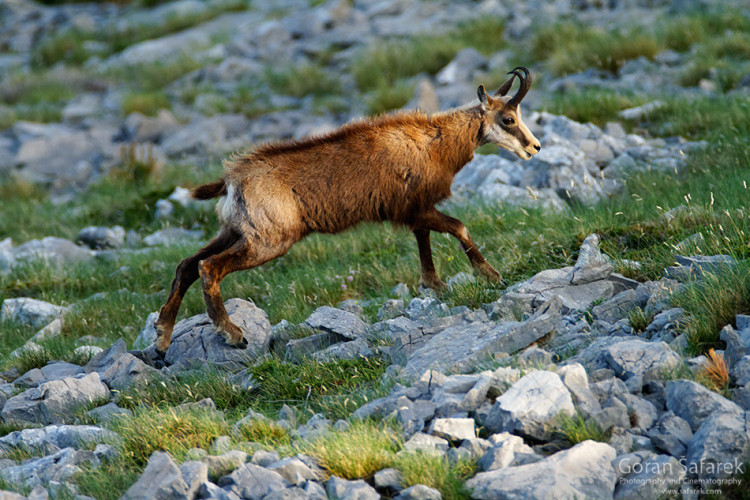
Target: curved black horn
{"x": 505, "y": 87}
{"x": 525, "y": 84}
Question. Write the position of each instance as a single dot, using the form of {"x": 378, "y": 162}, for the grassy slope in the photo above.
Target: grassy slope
{"x": 518, "y": 242}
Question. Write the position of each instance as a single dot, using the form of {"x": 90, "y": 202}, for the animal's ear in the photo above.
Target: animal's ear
{"x": 482, "y": 94}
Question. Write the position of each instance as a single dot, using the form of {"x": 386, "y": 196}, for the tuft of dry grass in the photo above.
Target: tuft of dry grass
{"x": 714, "y": 374}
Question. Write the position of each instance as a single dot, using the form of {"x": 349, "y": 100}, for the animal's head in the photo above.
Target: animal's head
{"x": 502, "y": 117}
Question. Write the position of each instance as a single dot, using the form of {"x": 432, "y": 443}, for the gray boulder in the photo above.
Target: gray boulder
{"x": 694, "y": 403}
{"x": 195, "y": 339}
{"x": 59, "y": 466}
{"x": 97, "y": 237}
{"x": 426, "y": 443}
{"x": 298, "y": 349}
{"x": 551, "y": 283}
{"x": 126, "y": 370}
{"x": 654, "y": 477}
{"x": 453, "y": 429}
{"x": 530, "y": 404}
{"x": 575, "y": 379}
{"x": 55, "y": 401}
{"x": 252, "y": 481}
{"x": 506, "y": 450}
{"x": 720, "y": 447}
{"x": 332, "y": 320}
{"x": 617, "y": 307}
{"x": 341, "y": 489}
{"x": 172, "y": 236}
{"x": 638, "y": 357}
{"x": 294, "y": 470}
{"x": 61, "y": 436}
{"x": 671, "y": 434}
{"x": 161, "y": 479}
{"x": 584, "y": 472}
{"x": 30, "y": 312}
{"x": 53, "y": 251}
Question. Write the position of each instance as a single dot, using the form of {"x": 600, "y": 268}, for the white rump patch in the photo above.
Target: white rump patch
{"x": 225, "y": 206}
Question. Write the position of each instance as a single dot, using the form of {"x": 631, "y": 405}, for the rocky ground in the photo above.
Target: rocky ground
{"x": 458, "y": 371}
{"x": 574, "y": 383}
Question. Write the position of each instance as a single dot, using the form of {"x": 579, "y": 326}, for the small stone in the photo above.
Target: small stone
{"x": 342, "y": 489}
{"x": 426, "y": 443}
{"x": 419, "y": 492}
{"x": 453, "y": 429}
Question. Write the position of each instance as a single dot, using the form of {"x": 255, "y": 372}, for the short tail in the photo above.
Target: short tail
{"x": 211, "y": 190}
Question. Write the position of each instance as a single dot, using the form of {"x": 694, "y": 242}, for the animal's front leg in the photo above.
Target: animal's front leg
{"x": 429, "y": 276}
{"x": 438, "y": 221}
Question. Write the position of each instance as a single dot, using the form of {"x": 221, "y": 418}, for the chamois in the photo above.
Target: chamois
{"x": 391, "y": 168}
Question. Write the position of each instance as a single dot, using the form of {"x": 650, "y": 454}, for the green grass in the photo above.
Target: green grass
{"x": 188, "y": 387}
{"x": 334, "y": 388}
{"x": 436, "y": 472}
{"x": 265, "y": 432}
{"x": 596, "y": 106}
{"x": 576, "y": 429}
{"x": 301, "y": 80}
{"x": 69, "y": 46}
{"x": 164, "y": 429}
{"x": 712, "y": 303}
{"x": 569, "y": 47}
{"x": 148, "y": 103}
{"x": 358, "y": 452}
{"x": 109, "y": 481}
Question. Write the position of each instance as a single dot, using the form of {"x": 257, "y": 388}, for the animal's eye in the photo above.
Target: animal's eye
{"x": 508, "y": 120}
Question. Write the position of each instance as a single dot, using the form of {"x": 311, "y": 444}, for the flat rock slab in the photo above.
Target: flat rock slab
{"x": 461, "y": 347}
{"x": 583, "y": 472}
{"x": 62, "y": 436}
{"x": 637, "y": 357}
{"x": 332, "y": 320}
{"x": 55, "y": 401}
{"x": 196, "y": 338}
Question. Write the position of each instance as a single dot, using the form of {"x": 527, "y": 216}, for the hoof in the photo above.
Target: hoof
{"x": 435, "y": 283}
{"x": 239, "y": 345}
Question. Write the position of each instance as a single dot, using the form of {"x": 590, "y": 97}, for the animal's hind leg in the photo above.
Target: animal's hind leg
{"x": 242, "y": 255}
{"x": 186, "y": 275}
{"x": 429, "y": 275}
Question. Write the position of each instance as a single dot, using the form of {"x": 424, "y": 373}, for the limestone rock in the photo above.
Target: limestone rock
{"x": 332, "y": 320}
{"x": 341, "y": 489}
{"x": 196, "y": 339}
{"x": 30, "y": 312}
{"x": 160, "y": 479}
{"x": 252, "y": 481}
{"x": 55, "y": 401}
{"x": 694, "y": 403}
{"x": 720, "y": 446}
{"x": 652, "y": 480}
{"x": 530, "y": 404}
{"x": 61, "y": 436}
{"x": 637, "y": 357}
{"x": 584, "y": 471}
